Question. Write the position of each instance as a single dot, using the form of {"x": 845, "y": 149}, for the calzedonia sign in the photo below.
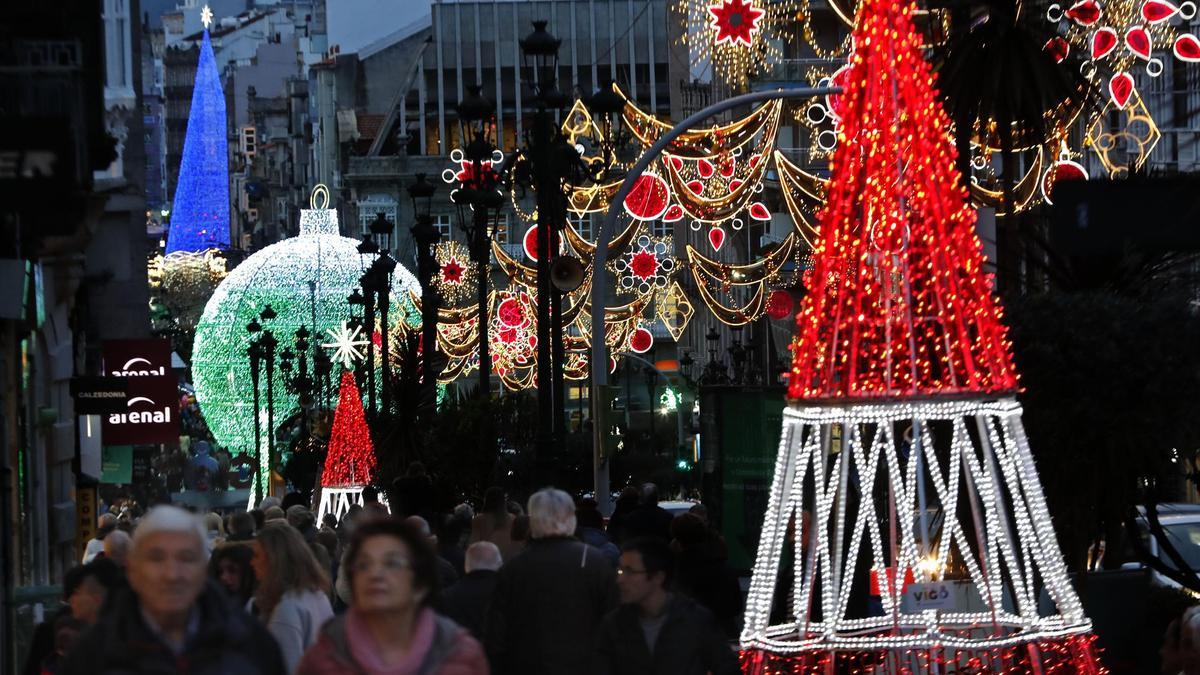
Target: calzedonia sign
{"x": 151, "y": 412}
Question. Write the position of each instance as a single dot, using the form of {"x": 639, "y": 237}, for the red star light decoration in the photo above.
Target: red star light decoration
{"x": 735, "y": 21}
{"x": 456, "y": 277}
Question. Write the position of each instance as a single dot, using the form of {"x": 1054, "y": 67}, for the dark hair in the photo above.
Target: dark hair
{"x": 656, "y": 556}
{"x": 520, "y": 529}
{"x": 240, "y": 555}
{"x": 106, "y": 572}
{"x": 241, "y": 527}
{"x": 329, "y": 520}
{"x": 495, "y": 501}
{"x": 689, "y": 530}
{"x": 259, "y": 517}
{"x": 421, "y": 556}
{"x": 587, "y": 514}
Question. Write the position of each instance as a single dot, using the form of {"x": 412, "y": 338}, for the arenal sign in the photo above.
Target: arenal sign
{"x": 151, "y": 413}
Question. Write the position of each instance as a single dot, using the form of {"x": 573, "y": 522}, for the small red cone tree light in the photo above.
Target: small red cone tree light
{"x": 350, "y": 462}
{"x": 906, "y": 529}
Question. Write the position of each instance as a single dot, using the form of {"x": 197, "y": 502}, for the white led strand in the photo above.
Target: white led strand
{"x": 1005, "y": 561}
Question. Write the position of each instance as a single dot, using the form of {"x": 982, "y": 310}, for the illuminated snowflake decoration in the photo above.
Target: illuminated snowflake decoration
{"x": 646, "y": 267}
{"x": 735, "y": 21}
{"x": 348, "y": 345}
{"x": 456, "y": 277}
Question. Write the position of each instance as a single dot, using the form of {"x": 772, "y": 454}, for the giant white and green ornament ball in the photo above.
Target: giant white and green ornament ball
{"x": 280, "y": 275}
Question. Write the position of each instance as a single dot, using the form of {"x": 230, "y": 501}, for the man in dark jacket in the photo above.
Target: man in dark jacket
{"x": 171, "y": 620}
{"x": 467, "y": 601}
{"x": 550, "y": 598}
{"x": 649, "y": 519}
{"x": 654, "y": 631}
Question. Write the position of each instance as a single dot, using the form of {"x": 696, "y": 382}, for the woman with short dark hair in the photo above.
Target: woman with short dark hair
{"x": 230, "y": 566}
{"x": 391, "y": 626}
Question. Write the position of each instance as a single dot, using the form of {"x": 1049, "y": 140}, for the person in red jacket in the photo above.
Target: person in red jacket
{"x": 391, "y": 628}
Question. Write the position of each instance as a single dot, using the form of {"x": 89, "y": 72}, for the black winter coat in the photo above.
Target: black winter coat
{"x": 689, "y": 643}
{"x": 547, "y": 606}
{"x": 228, "y": 642}
{"x": 467, "y": 601}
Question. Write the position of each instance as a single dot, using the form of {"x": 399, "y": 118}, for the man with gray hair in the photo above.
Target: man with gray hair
{"x": 116, "y": 547}
{"x": 171, "y": 619}
{"x": 106, "y": 524}
{"x": 467, "y": 601}
{"x": 549, "y": 599}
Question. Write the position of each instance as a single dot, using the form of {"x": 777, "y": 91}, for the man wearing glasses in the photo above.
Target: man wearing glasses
{"x": 655, "y": 631}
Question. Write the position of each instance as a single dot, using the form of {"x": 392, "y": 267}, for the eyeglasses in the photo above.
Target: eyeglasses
{"x": 393, "y": 563}
{"x": 622, "y": 571}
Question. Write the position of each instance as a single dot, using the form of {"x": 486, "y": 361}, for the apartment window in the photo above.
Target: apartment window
{"x": 661, "y": 229}
{"x": 583, "y": 225}
{"x": 499, "y": 228}
{"x": 371, "y": 207}
{"x": 443, "y": 224}
{"x": 116, "y": 41}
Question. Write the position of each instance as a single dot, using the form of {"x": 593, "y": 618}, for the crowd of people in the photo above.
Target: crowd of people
{"x": 548, "y": 588}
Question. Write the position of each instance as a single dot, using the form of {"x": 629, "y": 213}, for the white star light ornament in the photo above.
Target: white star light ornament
{"x": 348, "y": 345}
{"x": 206, "y": 17}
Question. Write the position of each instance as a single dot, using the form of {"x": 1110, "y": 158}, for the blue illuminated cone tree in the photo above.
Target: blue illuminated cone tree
{"x": 200, "y": 210}
{"x": 906, "y": 529}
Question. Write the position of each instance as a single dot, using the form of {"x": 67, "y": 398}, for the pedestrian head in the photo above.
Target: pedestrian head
{"x": 259, "y": 518}
{"x": 588, "y": 515}
{"x": 689, "y": 531}
{"x": 299, "y": 517}
{"x": 167, "y": 562}
{"x": 268, "y": 502}
{"x": 106, "y": 523}
{"x": 551, "y": 514}
{"x": 241, "y": 526}
{"x": 495, "y": 501}
{"x": 116, "y": 547}
{"x": 231, "y": 568}
{"x": 646, "y": 569}
{"x": 330, "y": 521}
{"x": 649, "y": 494}
{"x": 283, "y": 562}
{"x": 87, "y": 587}
{"x": 483, "y": 555}
{"x": 391, "y": 567}
{"x": 700, "y": 511}
{"x": 274, "y": 513}
{"x": 214, "y": 526}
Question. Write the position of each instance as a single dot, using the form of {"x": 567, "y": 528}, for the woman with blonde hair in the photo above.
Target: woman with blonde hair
{"x": 292, "y": 599}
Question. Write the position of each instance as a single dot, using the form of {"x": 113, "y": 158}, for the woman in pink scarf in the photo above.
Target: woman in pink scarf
{"x": 390, "y": 628}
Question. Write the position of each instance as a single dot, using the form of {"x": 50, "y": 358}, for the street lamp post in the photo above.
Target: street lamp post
{"x": 378, "y": 280}
{"x": 261, "y": 351}
{"x": 367, "y": 298}
{"x": 481, "y": 195}
{"x": 426, "y": 237}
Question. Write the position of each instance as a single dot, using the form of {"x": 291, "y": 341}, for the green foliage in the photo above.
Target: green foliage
{"x": 1110, "y": 386}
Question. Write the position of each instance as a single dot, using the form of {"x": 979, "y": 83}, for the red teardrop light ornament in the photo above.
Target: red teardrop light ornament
{"x": 641, "y": 340}
{"x": 1157, "y": 11}
{"x": 1084, "y": 12}
{"x": 758, "y": 211}
{"x": 735, "y": 184}
{"x": 1187, "y": 48}
{"x": 1060, "y": 171}
{"x": 529, "y": 243}
{"x": 716, "y": 238}
{"x": 727, "y": 166}
{"x": 1137, "y": 39}
{"x": 754, "y": 160}
{"x": 1120, "y": 88}
{"x": 1058, "y": 48}
{"x": 696, "y": 187}
{"x": 705, "y": 168}
{"x": 674, "y": 213}
{"x": 779, "y": 305}
{"x": 1103, "y": 42}
{"x": 676, "y": 163}
{"x": 649, "y": 197}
